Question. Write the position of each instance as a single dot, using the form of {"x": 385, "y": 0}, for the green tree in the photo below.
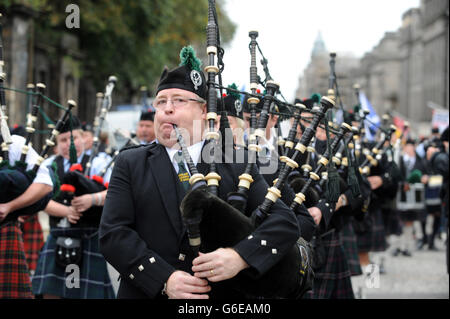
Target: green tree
{"x": 132, "y": 39}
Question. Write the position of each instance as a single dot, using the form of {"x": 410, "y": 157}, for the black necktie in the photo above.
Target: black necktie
{"x": 183, "y": 174}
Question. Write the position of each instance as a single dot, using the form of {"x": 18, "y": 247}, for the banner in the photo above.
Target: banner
{"x": 372, "y": 126}
{"x": 440, "y": 119}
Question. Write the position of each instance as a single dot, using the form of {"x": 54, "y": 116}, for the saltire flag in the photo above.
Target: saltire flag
{"x": 372, "y": 126}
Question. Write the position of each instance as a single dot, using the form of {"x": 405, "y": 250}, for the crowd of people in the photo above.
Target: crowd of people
{"x": 130, "y": 215}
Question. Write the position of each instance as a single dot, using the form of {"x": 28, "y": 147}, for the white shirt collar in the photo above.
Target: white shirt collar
{"x": 67, "y": 161}
{"x": 193, "y": 150}
{"x": 269, "y": 143}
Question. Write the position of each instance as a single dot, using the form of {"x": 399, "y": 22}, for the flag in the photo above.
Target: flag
{"x": 242, "y": 89}
{"x": 372, "y": 126}
{"x": 339, "y": 115}
{"x": 440, "y": 119}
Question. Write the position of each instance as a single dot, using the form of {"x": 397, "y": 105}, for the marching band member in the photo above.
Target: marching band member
{"x": 50, "y": 277}
{"x": 145, "y": 132}
{"x": 142, "y": 207}
{"x": 412, "y": 169}
{"x": 15, "y": 279}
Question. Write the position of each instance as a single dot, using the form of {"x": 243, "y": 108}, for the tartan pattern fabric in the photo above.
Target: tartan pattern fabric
{"x": 379, "y": 242}
{"x": 94, "y": 282}
{"x": 364, "y": 240}
{"x": 332, "y": 280}
{"x": 375, "y": 238}
{"x": 33, "y": 240}
{"x": 350, "y": 247}
{"x": 392, "y": 223}
{"x": 15, "y": 282}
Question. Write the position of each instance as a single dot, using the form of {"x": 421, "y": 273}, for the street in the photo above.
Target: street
{"x": 421, "y": 276}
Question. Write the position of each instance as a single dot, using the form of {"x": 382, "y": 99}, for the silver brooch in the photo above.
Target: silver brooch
{"x": 238, "y": 106}
{"x": 196, "y": 79}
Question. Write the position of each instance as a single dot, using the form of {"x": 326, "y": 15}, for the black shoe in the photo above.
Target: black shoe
{"x": 406, "y": 253}
{"x": 421, "y": 243}
{"x": 396, "y": 252}
{"x": 432, "y": 248}
{"x": 382, "y": 269}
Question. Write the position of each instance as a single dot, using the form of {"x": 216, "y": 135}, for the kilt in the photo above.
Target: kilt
{"x": 433, "y": 209}
{"x": 379, "y": 242}
{"x": 15, "y": 279}
{"x": 374, "y": 238}
{"x": 392, "y": 222}
{"x": 94, "y": 281}
{"x": 332, "y": 280}
{"x": 350, "y": 247}
{"x": 364, "y": 237}
{"x": 412, "y": 215}
{"x": 33, "y": 240}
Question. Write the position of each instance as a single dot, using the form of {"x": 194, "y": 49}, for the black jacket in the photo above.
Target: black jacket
{"x": 141, "y": 232}
{"x": 305, "y": 221}
{"x": 439, "y": 165}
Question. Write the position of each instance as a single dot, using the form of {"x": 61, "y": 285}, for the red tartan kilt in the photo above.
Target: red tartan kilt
{"x": 14, "y": 275}
{"x": 33, "y": 240}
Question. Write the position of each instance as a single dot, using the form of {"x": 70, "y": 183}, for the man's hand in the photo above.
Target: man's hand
{"x": 72, "y": 215}
{"x": 316, "y": 214}
{"x": 221, "y": 264}
{"x": 424, "y": 179}
{"x": 5, "y": 209}
{"x": 82, "y": 203}
{"x": 342, "y": 201}
{"x": 182, "y": 285}
{"x": 375, "y": 182}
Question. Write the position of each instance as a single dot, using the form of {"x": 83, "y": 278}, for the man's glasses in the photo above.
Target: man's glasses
{"x": 177, "y": 102}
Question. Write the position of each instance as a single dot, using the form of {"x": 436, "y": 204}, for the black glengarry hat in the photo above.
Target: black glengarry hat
{"x": 349, "y": 117}
{"x": 233, "y": 104}
{"x": 72, "y": 123}
{"x": 147, "y": 116}
{"x": 246, "y": 105}
{"x": 309, "y": 103}
{"x": 187, "y": 76}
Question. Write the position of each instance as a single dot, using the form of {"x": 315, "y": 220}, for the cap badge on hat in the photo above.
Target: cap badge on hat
{"x": 238, "y": 106}
{"x": 196, "y": 79}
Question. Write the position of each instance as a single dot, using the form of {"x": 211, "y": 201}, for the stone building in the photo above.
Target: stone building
{"x": 316, "y": 75}
{"x": 435, "y": 39}
{"x": 30, "y": 57}
{"x": 379, "y": 72}
{"x": 406, "y": 73}
{"x": 424, "y": 71}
